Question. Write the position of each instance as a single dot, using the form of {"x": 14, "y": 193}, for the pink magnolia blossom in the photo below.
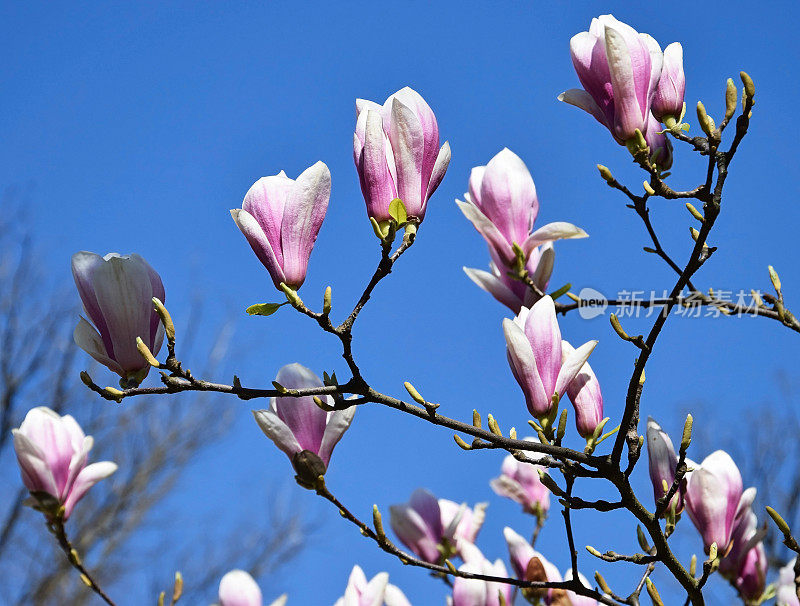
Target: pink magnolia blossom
{"x": 585, "y": 395}
{"x": 663, "y": 462}
{"x": 714, "y": 498}
{"x": 296, "y": 424}
{"x": 238, "y": 588}
{"x": 668, "y": 97}
{"x": 117, "y": 294}
{"x": 52, "y": 452}
{"x": 535, "y": 356}
{"x": 376, "y": 592}
{"x": 786, "y": 593}
{"x": 468, "y": 524}
{"x": 521, "y": 552}
{"x": 511, "y": 292}
{"x": 281, "y": 217}
{"x": 619, "y": 69}
{"x": 746, "y": 562}
{"x": 519, "y": 481}
{"x": 421, "y": 525}
{"x": 475, "y": 592}
{"x": 502, "y": 205}
{"x": 397, "y": 154}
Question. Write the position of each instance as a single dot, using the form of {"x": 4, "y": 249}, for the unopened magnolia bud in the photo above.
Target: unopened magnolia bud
{"x": 166, "y": 319}
{"x": 749, "y": 87}
{"x": 476, "y": 419}
{"x": 309, "y": 467}
{"x": 695, "y": 213}
{"x": 704, "y": 119}
{"x": 114, "y": 392}
{"x": 550, "y": 483}
{"x": 326, "y": 301}
{"x": 730, "y": 99}
{"x": 653, "y": 593}
{"x": 593, "y": 551}
{"x": 280, "y": 388}
{"x": 693, "y": 565}
{"x": 177, "y": 589}
{"x": 87, "y": 380}
{"x": 779, "y": 521}
{"x": 640, "y": 140}
{"x": 493, "y": 426}
{"x": 512, "y": 433}
{"x": 378, "y": 523}
{"x": 686, "y": 439}
{"x": 605, "y": 173}
{"x": 648, "y": 188}
{"x": 695, "y": 233}
{"x": 415, "y": 395}
{"x": 618, "y": 327}
{"x": 712, "y": 552}
{"x": 146, "y": 353}
{"x": 642, "y": 539}
{"x": 161, "y": 597}
{"x": 562, "y": 425}
{"x": 460, "y": 441}
{"x": 450, "y": 566}
{"x": 601, "y": 582}
{"x": 291, "y": 295}
{"x": 776, "y": 281}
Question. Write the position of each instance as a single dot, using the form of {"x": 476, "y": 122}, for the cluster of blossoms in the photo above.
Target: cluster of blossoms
{"x": 630, "y": 87}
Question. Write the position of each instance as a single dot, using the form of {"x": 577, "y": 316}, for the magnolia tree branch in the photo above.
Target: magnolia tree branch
{"x": 572, "y": 463}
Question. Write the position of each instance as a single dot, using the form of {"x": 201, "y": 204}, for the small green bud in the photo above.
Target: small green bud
{"x": 415, "y": 395}
{"x": 730, "y": 99}
{"x": 687, "y": 433}
{"x": 776, "y": 281}
{"x": 779, "y": 521}
{"x": 145, "y": 352}
{"x": 291, "y": 295}
{"x": 476, "y": 419}
{"x": 695, "y": 213}
{"x": 749, "y": 87}
{"x": 653, "y": 593}
{"x": 605, "y": 173}
{"x": 326, "y": 301}
{"x": 166, "y": 319}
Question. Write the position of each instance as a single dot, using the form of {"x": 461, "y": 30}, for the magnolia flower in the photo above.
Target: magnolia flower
{"x": 297, "y": 425}
{"x": 238, "y": 588}
{"x": 474, "y": 592}
{"x": 668, "y": 103}
{"x": 397, "y": 155}
{"x": 522, "y": 556}
{"x": 52, "y": 453}
{"x": 420, "y": 525}
{"x": 619, "y": 69}
{"x": 714, "y": 498}
{"x": 786, "y": 594}
{"x": 519, "y": 481}
{"x": 746, "y": 562}
{"x": 663, "y": 462}
{"x": 468, "y": 521}
{"x": 502, "y": 205}
{"x": 584, "y": 393}
{"x": 281, "y": 217}
{"x": 535, "y": 356}
{"x": 117, "y": 294}
{"x": 513, "y": 293}
{"x": 376, "y": 592}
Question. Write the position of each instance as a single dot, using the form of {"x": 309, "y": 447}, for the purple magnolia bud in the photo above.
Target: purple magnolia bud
{"x": 786, "y": 594}
{"x": 238, "y": 588}
{"x": 663, "y": 462}
{"x": 298, "y": 425}
{"x": 281, "y": 217}
{"x": 668, "y": 97}
{"x": 660, "y": 147}
{"x": 474, "y": 592}
{"x": 713, "y": 497}
{"x": 467, "y": 521}
{"x": 619, "y": 69}
{"x": 418, "y": 524}
{"x": 512, "y": 293}
{"x": 519, "y": 481}
{"x": 117, "y": 294}
{"x": 535, "y": 356}
{"x": 52, "y": 453}
{"x": 376, "y": 592}
{"x": 397, "y": 155}
{"x": 584, "y": 393}
{"x": 502, "y": 205}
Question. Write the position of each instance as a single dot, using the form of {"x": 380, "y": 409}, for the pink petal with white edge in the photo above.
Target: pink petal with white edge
{"x": 87, "y": 478}
{"x": 338, "y": 422}
{"x": 572, "y": 366}
{"x": 558, "y": 230}
{"x": 439, "y": 169}
{"x": 495, "y": 287}
{"x": 580, "y": 98}
{"x": 407, "y": 139}
{"x": 488, "y": 230}
{"x": 523, "y": 365}
{"x": 277, "y": 431}
{"x": 89, "y": 340}
{"x": 544, "y": 336}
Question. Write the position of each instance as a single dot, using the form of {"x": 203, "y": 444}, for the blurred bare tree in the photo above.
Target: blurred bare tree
{"x": 152, "y": 441}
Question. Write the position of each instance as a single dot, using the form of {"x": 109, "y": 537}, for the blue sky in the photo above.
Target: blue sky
{"x": 138, "y": 126}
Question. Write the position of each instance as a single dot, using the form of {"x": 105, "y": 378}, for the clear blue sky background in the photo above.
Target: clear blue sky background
{"x": 140, "y": 125}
